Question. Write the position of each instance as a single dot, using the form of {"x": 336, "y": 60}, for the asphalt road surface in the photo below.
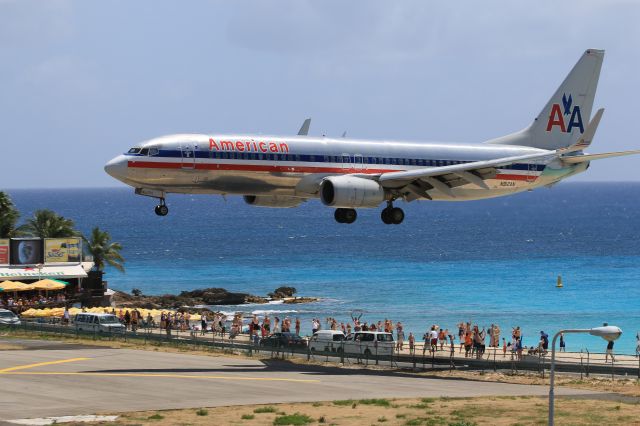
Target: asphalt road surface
{"x": 54, "y": 379}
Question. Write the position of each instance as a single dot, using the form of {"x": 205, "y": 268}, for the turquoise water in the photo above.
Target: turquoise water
{"x": 492, "y": 261}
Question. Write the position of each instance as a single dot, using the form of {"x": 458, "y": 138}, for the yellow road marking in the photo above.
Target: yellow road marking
{"x": 175, "y": 376}
{"x": 40, "y": 364}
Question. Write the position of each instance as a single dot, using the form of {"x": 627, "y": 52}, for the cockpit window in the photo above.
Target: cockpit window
{"x": 134, "y": 150}
{"x": 153, "y": 151}
{"x": 144, "y": 151}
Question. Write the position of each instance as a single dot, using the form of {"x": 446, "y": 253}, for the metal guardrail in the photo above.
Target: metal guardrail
{"x": 368, "y": 354}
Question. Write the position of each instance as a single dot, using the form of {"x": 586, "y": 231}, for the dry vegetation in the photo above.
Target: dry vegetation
{"x": 426, "y": 411}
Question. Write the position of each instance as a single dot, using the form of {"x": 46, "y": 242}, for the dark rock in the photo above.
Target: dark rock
{"x": 282, "y": 292}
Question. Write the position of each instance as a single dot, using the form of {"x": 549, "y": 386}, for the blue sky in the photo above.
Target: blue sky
{"x": 82, "y": 81}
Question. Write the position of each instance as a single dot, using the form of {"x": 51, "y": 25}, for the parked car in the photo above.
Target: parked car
{"x": 284, "y": 340}
{"x": 369, "y": 343}
{"x": 98, "y": 322}
{"x": 8, "y": 318}
{"x": 326, "y": 341}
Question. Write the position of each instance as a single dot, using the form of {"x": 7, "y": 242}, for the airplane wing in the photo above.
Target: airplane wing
{"x": 589, "y": 157}
{"x": 419, "y": 181}
{"x": 304, "y": 129}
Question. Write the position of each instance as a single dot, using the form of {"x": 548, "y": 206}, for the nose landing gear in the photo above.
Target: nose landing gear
{"x": 345, "y": 215}
{"x": 162, "y": 209}
{"x": 392, "y": 215}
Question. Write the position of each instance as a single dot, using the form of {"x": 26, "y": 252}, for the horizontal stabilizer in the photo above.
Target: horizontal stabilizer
{"x": 583, "y": 158}
{"x": 587, "y": 137}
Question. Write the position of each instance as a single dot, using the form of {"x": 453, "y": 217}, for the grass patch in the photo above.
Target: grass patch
{"x": 248, "y": 417}
{"x": 463, "y": 423}
{"x": 202, "y": 412}
{"x": 293, "y": 419}
{"x": 156, "y": 417}
{"x": 382, "y": 419}
{"x": 267, "y": 409}
{"x": 344, "y": 402}
{"x": 380, "y": 402}
{"x": 317, "y": 404}
{"x": 401, "y": 416}
{"x": 428, "y": 400}
{"x": 420, "y": 406}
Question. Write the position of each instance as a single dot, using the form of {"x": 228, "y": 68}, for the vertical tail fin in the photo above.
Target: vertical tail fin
{"x": 563, "y": 119}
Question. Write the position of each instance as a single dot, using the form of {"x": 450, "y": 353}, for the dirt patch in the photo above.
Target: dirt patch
{"x": 10, "y": 347}
{"x": 426, "y": 411}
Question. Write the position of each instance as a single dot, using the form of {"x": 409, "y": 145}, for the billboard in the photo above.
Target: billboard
{"x": 62, "y": 250}
{"x": 25, "y": 251}
{"x": 4, "y": 251}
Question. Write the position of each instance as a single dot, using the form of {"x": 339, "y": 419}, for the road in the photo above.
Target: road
{"x": 41, "y": 379}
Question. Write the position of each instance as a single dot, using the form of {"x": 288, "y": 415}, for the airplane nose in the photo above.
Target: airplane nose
{"x": 117, "y": 167}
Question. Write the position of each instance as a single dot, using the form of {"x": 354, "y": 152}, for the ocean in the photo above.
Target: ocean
{"x": 490, "y": 261}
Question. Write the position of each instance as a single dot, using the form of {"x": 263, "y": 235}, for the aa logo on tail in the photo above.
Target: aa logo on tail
{"x": 558, "y": 113}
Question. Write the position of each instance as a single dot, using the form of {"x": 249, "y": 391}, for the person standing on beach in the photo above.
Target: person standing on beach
{"x": 504, "y": 348}
{"x": 637, "y": 344}
{"x": 297, "y": 326}
{"x": 609, "y": 352}
{"x": 412, "y": 343}
{"x": 203, "y": 323}
{"x": 400, "y": 336}
{"x": 562, "y": 343}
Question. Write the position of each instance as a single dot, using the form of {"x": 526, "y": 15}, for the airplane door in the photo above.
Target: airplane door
{"x": 358, "y": 163}
{"x": 188, "y": 156}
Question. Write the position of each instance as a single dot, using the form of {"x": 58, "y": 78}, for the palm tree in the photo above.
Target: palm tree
{"x": 8, "y": 216}
{"x": 103, "y": 250}
{"x": 48, "y": 224}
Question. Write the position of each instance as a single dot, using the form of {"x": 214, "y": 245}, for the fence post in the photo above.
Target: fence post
{"x": 588, "y": 361}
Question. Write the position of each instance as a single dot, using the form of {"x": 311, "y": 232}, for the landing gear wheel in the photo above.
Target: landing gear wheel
{"x": 396, "y": 215}
{"x": 345, "y": 215}
{"x": 386, "y": 216}
{"x": 162, "y": 209}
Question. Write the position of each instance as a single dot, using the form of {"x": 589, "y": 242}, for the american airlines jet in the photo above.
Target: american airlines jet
{"x": 347, "y": 174}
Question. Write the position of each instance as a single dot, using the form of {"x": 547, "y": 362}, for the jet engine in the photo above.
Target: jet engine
{"x": 275, "y": 201}
{"x": 351, "y": 192}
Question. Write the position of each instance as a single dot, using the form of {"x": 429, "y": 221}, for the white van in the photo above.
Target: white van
{"x": 326, "y": 341}
{"x": 98, "y": 322}
{"x": 369, "y": 343}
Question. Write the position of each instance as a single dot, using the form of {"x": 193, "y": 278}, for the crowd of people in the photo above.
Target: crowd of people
{"x": 34, "y": 301}
{"x": 470, "y": 339}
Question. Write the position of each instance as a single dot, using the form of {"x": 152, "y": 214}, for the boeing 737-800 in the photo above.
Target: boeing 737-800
{"x": 346, "y": 174}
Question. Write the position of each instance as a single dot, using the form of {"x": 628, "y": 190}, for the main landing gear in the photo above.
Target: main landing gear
{"x": 392, "y": 215}
{"x": 345, "y": 215}
{"x": 162, "y": 209}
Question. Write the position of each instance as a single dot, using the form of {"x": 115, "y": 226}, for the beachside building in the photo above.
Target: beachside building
{"x": 33, "y": 261}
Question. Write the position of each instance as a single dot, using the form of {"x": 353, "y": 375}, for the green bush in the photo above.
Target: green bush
{"x": 267, "y": 409}
{"x": 293, "y": 419}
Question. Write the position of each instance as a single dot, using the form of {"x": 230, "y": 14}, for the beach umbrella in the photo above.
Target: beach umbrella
{"x": 49, "y": 284}
{"x": 14, "y": 286}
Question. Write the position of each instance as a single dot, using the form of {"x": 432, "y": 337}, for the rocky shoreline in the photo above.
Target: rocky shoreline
{"x": 205, "y": 296}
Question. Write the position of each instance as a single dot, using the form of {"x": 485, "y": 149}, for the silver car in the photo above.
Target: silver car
{"x": 8, "y": 318}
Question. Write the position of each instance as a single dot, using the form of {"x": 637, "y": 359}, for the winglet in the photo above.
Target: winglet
{"x": 587, "y": 137}
{"x": 304, "y": 129}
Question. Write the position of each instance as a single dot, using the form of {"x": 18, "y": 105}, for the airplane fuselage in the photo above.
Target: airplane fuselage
{"x": 294, "y": 166}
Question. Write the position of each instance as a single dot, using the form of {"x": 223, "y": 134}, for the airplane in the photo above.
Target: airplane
{"x": 348, "y": 174}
